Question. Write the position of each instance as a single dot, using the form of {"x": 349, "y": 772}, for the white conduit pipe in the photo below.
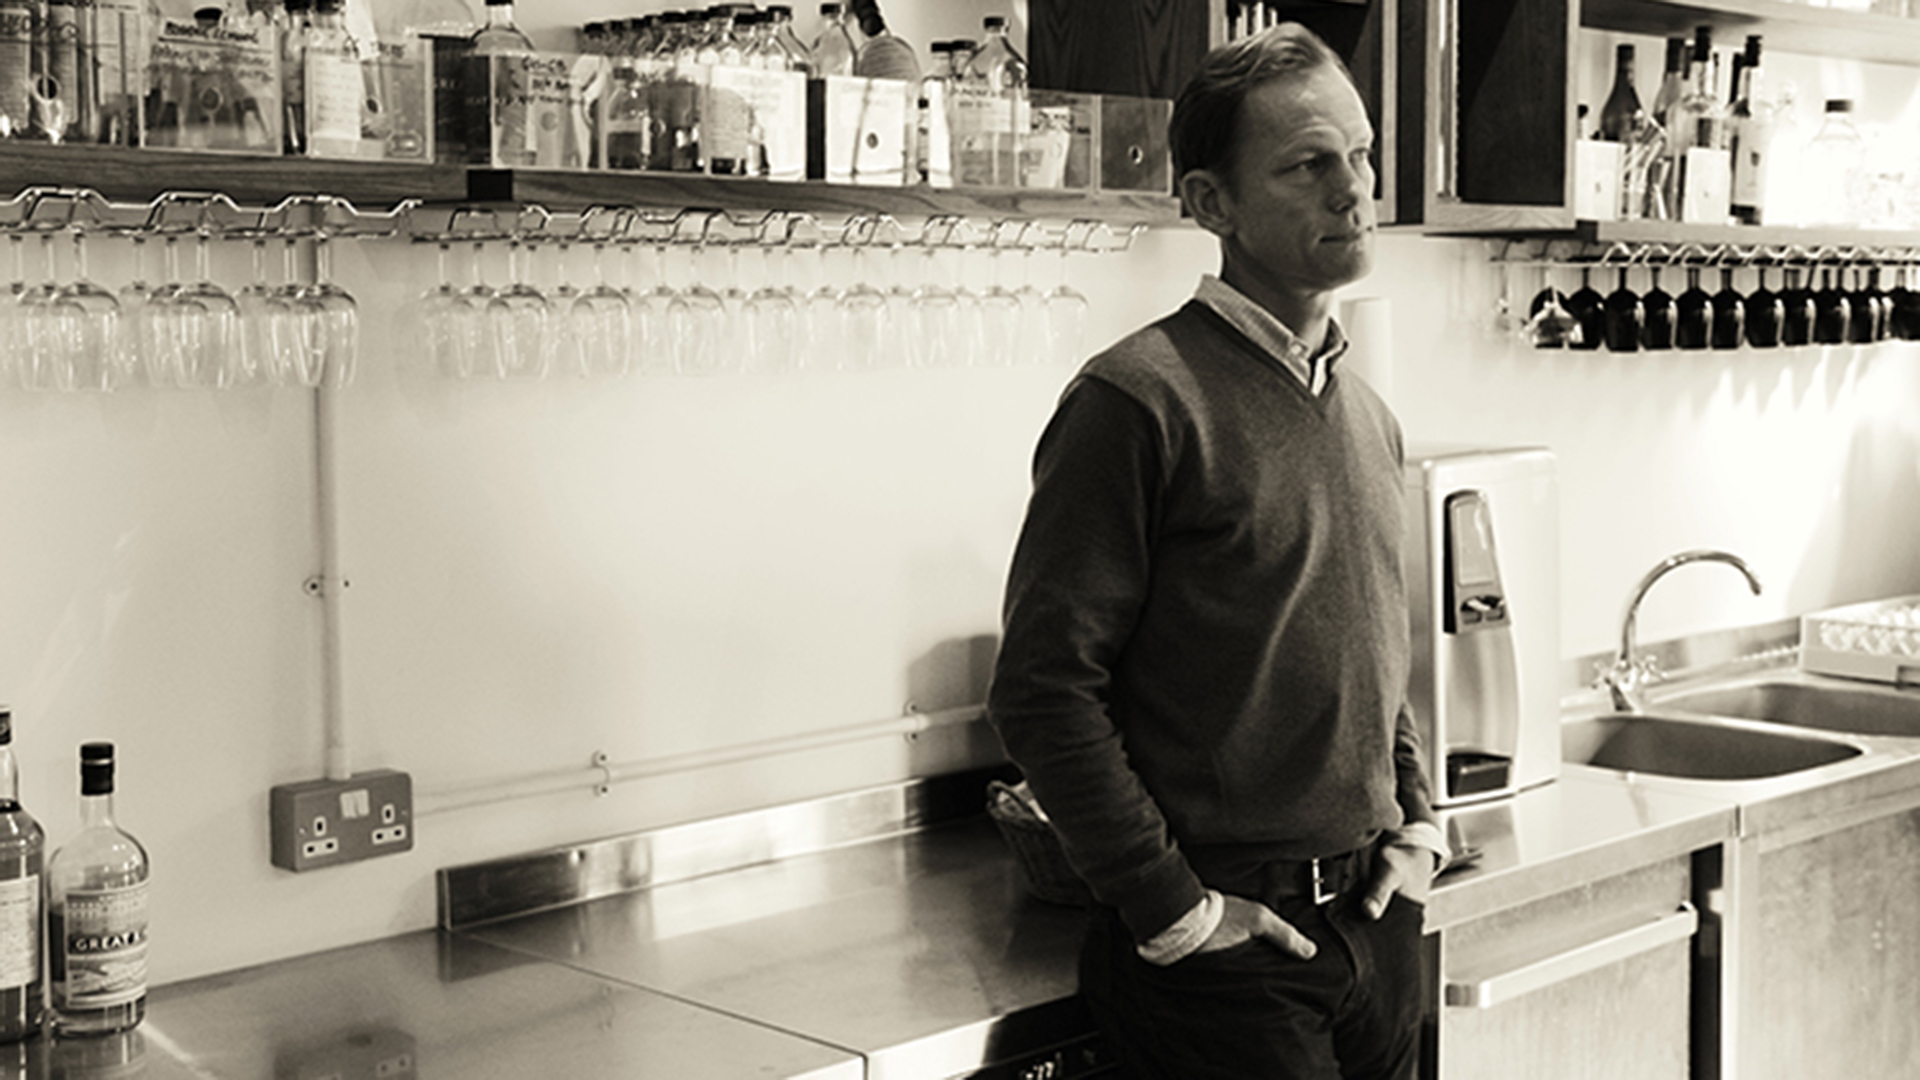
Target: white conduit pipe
{"x": 600, "y": 776}
{"x": 328, "y": 585}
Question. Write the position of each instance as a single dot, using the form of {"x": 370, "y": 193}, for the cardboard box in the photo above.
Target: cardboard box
{"x": 857, "y": 130}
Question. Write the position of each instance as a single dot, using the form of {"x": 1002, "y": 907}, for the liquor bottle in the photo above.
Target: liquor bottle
{"x": 1673, "y": 84}
{"x": 293, "y": 76}
{"x": 17, "y": 19}
{"x": 833, "y": 50}
{"x": 883, "y": 55}
{"x": 448, "y": 27}
{"x": 726, "y": 122}
{"x": 334, "y": 87}
{"x": 97, "y": 914}
{"x": 1622, "y": 112}
{"x": 799, "y": 57}
{"x": 1752, "y": 132}
{"x": 497, "y": 91}
{"x": 1833, "y": 167}
{"x": 22, "y": 849}
{"x": 990, "y": 109}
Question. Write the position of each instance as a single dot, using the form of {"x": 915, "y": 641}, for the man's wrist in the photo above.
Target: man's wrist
{"x": 1426, "y": 836}
{"x": 1187, "y": 934}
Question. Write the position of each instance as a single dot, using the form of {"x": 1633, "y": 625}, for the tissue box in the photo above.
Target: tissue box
{"x": 857, "y": 130}
{"x": 1596, "y": 180}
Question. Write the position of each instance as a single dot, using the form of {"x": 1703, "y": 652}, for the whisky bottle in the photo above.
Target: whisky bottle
{"x": 97, "y": 914}
{"x": 22, "y": 847}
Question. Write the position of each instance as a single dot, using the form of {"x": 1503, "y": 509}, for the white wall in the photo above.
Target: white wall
{"x": 542, "y": 571}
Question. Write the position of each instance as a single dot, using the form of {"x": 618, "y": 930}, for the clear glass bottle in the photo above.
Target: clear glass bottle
{"x": 447, "y": 26}
{"x": 1751, "y": 138}
{"x": 334, "y": 87}
{"x": 799, "y": 57}
{"x": 497, "y": 91}
{"x": 1673, "y": 83}
{"x": 1833, "y": 164}
{"x": 833, "y": 50}
{"x": 22, "y": 931}
{"x": 97, "y": 914}
{"x": 293, "y": 76}
{"x": 991, "y": 109}
{"x": 726, "y": 120}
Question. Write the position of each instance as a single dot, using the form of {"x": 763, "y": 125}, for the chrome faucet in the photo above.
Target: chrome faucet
{"x": 1629, "y": 672}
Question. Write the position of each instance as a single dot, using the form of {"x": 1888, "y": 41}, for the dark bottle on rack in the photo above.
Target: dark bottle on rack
{"x": 22, "y": 849}
{"x": 1729, "y": 314}
{"x": 1764, "y": 314}
{"x": 97, "y": 914}
{"x": 1693, "y": 314}
{"x": 1656, "y": 314}
{"x": 1673, "y": 84}
{"x": 1622, "y": 112}
{"x": 1796, "y": 310}
{"x": 1751, "y": 134}
{"x": 1832, "y": 312}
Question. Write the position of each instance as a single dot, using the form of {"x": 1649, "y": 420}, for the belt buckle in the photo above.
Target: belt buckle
{"x": 1323, "y": 890}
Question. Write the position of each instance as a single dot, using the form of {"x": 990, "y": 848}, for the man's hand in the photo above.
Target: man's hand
{"x": 1242, "y": 919}
{"x": 1398, "y": 868}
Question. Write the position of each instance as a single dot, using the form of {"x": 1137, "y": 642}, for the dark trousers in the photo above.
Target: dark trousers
{"x": 1252, "y": 1012}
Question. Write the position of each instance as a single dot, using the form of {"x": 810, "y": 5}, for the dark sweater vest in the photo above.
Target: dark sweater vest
{"x": 1205, "y": 652}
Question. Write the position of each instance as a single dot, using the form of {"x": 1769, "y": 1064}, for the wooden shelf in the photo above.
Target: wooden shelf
{"x": 1788, "y": 27}
{"x": 124, "y": 174}
{"x": 127, "y": 175}
{"x": 567, "y": 190}
{"x": 1675, "y": 234}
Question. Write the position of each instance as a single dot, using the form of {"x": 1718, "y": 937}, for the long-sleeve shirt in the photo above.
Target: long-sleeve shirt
{"x": 1205, "y": 649}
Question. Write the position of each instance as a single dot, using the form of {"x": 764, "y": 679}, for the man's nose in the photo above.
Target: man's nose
{"x": 1350, "y": 181}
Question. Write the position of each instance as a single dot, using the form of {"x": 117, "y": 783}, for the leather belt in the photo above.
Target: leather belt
{"x": 1324, "y": 879}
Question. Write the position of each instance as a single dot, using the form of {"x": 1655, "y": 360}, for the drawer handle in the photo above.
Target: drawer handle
{"x": 1504, "y": 987}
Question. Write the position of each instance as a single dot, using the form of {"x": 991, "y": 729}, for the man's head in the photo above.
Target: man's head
{"x": 1273, "y": 150}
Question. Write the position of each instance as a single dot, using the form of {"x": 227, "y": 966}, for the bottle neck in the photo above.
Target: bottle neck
{"x": 9, "y": 776}
{"x": 96, "y": 811}
{"x": 499, "y": 16}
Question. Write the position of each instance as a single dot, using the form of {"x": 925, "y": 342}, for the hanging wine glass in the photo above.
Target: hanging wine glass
{"x": 605, "y": 318}
{"x": 936, "y": 312}
{"x": 1656, "y": 313}
{"x": 863, "y": 312}
{"x": 334, "y": 318}
{"x": 89, "y": 325}
{"x": 1869, "y": 307}
{"x": 1693, "y": 314}
{"x": 481, "y": 351}
{"x": 37, "y": 359}
{"x": 653, "y": 304}
{"x": 1906, "y": 307}
{"x": 1729, "y": 313}
{"x": 773, "y": 319}
{"x": 520, "y": 318}
{"x": 1625, "y": 317}
{"x": 256, "y": 360}
{"x": 442, "y": 319}
{"x": 1832, "y": 311}
{"x": 1549, "y": 325}
{"x": 12, "y": 333}
{"x": 999, "y": 315}
{"x": 1589, "y": 310}
{"x": 1797, "y": 308}
{"x": 1066, "y": 312}
{"x": 1764, "y": 313}
{"x": 207, "y": 319}
{"x": 697, "y": 318}
{"x": 568, "y": 346}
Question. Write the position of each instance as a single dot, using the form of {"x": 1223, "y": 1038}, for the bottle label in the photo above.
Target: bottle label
{"x": 105, "y": 944}
{"x": 19, "y": 931}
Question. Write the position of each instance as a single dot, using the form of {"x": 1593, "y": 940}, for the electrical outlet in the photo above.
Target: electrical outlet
{"x": 318, "y": 823}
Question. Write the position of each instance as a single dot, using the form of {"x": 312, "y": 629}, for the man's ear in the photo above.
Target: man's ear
{"x": 1208, "y": 201}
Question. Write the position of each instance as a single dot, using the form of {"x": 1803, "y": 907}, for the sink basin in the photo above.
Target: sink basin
{"x": 1855, "y": 710}
{"x": 1694, "y": 748}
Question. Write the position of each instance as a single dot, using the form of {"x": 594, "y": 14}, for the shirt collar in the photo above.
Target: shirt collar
{"x": 1272, "y": 335}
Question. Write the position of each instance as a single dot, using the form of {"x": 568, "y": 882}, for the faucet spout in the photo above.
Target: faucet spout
{"x": 1629, "y": 671}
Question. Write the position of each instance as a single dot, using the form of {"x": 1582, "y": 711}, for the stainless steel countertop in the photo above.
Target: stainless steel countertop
{"x": 918, "y": 952}
{"x": 430, "y": 1004}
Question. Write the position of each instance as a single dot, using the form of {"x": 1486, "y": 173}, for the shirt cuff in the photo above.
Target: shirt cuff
{"x": 1427, "y": 836}
{"x": 1187, "y": 933}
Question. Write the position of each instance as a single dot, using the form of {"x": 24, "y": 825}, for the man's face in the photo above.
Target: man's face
{"x": 1298, "y": 197}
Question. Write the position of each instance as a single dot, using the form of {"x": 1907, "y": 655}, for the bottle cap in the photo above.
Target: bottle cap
{"x": 995, "y": 22}
{"x": 1841, "y": 105}
{"x": 6, "y": 725}
{"x": 96, "y": 768}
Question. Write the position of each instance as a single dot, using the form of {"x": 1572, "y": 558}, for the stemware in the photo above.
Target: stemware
{"x": 257, "y": 358}
{"x": 773, "y": 319}
{"x": 1832, "y": 311}
{"x": 936, "y": 314}
{"x": 1869, "y": 305}
{"x": 87, "y": 319}
{"x": 1729, "y": 314}
{"x": 11, "y": 335}
{"x": 1656, "y": 310}
{"x": 37, "y": 348}
{"x": 1066, "y": 314}
{"x": 520, "y": 319}
{"x": 1797, "y": 309}
{"x": 331, "y": 321}
{"x": 566, "y": 348}
{"x": 652, "y": 307}
{"x": 819, "y": 309}
{"x": 697, "y": 321}
{"x": 603, "y": 318}
{"x": 863, "y": 316}
{"x": 1589, "y": 310}
{"x": 1693, "y": 314}
{"x": 1625, "y": 317}
{"x": 1765, "y": 313}
{"x": 1906, "y": 308}
{"x": 999, "y": 316}
{"x": 443, "y": 315}
{"x": 1549, "y": 326}
{"x": 204, "y": 319}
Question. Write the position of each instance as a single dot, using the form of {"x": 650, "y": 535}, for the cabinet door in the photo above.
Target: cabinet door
{"x": 1594, "y": 982}
{"x": 1150, "y": 48}
{"x": 1835, "y": 985}
{"x": 1497, "y": 112}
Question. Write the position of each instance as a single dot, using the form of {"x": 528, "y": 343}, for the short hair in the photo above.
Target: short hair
{"x": 1206, "y": 115}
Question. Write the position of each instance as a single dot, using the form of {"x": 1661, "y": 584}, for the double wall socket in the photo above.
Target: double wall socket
{"x": 318, "y": 823}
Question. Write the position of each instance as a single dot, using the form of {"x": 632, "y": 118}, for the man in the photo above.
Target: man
{"x": 1204, "y": 668}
